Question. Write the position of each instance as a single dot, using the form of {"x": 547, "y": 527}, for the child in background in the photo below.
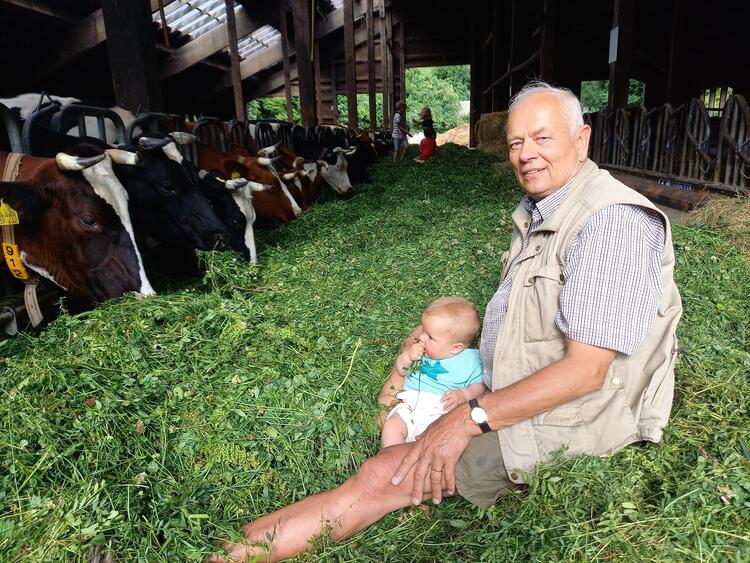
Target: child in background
{"x": 449, "y": 373}
{"x": 425, "y": 120}
{"x": 427, "y": 147}
{"x": 400, "y": 132}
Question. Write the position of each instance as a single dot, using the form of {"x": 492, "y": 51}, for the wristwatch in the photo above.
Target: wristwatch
{"x": 479, "y": 416}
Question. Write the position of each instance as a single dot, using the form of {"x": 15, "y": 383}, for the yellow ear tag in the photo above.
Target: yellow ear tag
{"x": 13, "y": 259}
{"x": 8, "y": 215}
{"x": 235, "y": 175}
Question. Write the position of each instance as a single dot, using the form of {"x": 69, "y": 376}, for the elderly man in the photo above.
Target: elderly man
{"x": 578, "y": 343}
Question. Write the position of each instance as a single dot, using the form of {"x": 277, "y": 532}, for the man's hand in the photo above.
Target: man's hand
{"x": 435, "y": 454}
{"x": 451, "y": 399}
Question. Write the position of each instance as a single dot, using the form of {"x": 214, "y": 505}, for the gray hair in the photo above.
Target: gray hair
{"x": 570, "y": 101}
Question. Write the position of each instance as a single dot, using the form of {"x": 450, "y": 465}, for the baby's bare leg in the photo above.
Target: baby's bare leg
{"x": 394, "y": 431}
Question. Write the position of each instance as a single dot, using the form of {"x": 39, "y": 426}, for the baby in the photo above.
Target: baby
{"x": 447, "y": 372}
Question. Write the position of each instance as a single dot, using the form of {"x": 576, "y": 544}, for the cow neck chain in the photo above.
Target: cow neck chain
{"x": 34, "y": 312}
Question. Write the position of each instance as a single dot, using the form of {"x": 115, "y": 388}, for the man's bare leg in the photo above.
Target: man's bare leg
{"x": 361, "y": 501}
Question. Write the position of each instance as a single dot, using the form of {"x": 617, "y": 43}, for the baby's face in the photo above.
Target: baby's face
{"x": 437, "y": 338}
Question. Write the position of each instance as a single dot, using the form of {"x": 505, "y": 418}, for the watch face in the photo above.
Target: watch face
{"x": 478, "y": 415}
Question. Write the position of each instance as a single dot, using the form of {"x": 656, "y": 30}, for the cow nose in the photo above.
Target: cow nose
{"x": 219, "y": 242}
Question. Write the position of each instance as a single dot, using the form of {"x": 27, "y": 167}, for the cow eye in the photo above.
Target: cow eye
{"x": 88, "y": 222}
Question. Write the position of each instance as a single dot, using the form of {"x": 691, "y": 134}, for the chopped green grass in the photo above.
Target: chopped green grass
{"x": 157, "y": 426}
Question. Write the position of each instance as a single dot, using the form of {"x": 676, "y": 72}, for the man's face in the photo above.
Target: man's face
{"x": 544, "y": 153}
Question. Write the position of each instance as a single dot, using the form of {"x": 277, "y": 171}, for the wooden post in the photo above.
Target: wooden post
{"x": 285, "y": 54}
{"x": 515, "y": 25}
{"x": 402, "y": 61}
{"x": 384, "y": 67}
{"x": 132, "y": 55}
{"x": 547, "y": 43}
{"x": 475, "y": 82}
{"x": 674, "y": 72}
{"x": 302, "y": 18}
{"x": 350, "y": 64}
{"x": 234, "y": 57}
{"x": 389, "y": 63}
{"x": 318, "y": 83}
{"x": 621, "y": 53}
{"x": 334, "y": 92}
{"x": 371, "y": 66}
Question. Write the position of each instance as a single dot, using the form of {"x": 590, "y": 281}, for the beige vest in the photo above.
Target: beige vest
{"x": 636, "y": 398}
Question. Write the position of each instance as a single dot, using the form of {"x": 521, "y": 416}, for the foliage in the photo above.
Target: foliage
{"x": 594, "y": 94}
{"x": 423, "y": 88}
{"x": 363, "y": 111}
{"x": 273, "y": 108}
{"x": 156, "y": 426}
{"x": 457, "y": 76}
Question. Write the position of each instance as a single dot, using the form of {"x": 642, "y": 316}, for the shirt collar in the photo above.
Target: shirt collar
{"x": 547, "y": 206}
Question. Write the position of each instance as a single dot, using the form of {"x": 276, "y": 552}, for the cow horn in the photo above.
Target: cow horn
{"x": 265, "y": 161}
{"x": 256, "y": 187}
{"x": 271, "y": 149}
{"x": 299, "y": 161}
{"x": 323, "y": 163}
{"x": 151, "y": 143}
{"x": 123, "y": 157}
{"x": 183, "y": 138}
{"x": 202, "y": 173}
{"x": 289, "y": 175}
{"x": 70, "y": 162}
{"x": 235, "y": 184}
{"x": 350, "y": 151}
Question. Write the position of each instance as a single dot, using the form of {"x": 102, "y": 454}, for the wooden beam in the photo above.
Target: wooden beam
{"x": 302, "y": 19}
{"x": 318, "y": 82}
{"x": 132, "y": 55}
{"x": 674, "y": 91}
{"x": 42, "y": 9}
{"x": 370, "y": 23}
{"x": 475, "y": 82}
{"x": 383, "y": 66}
{"x": 622, "y": 37}
{"x": 402, "y": 61}
{"x": 285, "y": 55}
{"x": 547, "y": 46}
{"x": 234, "y": 57}
{"x": 349, "y": 64}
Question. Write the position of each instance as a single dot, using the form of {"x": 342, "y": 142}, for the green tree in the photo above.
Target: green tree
{"x": 457, "y": 76}
{"x": 594, "y": 94}
{"x": 424, "y": 88}
{"x": 273, "y": 108}
{"x": 363, "y": 111}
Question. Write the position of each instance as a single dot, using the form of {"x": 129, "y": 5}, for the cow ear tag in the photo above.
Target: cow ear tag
{"x": 8, "y": 215}
{"x": 235, "y": 175}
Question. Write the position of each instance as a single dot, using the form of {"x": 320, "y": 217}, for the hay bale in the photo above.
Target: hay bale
{"x": 458, "y": 135}
{"x": 490, "y": 134}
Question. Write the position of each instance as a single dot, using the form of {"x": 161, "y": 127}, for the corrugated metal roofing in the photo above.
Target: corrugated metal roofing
{"x": 193, "y": 18}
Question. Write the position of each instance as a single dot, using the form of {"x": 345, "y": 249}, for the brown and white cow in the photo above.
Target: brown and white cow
{"x": 71, "y": 233}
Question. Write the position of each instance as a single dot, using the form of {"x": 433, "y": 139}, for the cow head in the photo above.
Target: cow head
{"x": 165, "y": 200}
{"x": 334, "y": 173}
{"x": 69, "y": 234}
{"x": 233, "y": 202}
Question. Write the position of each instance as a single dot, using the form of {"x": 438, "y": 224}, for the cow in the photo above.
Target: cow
{"x": 233, "y": 202}
{"x": 272, "y": 206}
{"x": 70, "y": 233}
{"x": 164, "y": 199}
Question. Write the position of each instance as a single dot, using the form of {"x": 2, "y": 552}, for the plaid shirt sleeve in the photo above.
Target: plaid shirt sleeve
{"x": 612, "y": 279}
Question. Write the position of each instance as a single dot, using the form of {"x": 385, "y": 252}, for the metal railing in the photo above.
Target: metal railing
{"x": 685, "y": 146}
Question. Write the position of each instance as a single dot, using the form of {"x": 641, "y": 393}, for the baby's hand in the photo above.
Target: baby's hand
{"x": 415, "y": 351}
{"x": 451, "y": 399}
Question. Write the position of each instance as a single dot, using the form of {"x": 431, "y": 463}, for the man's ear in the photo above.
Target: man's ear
{"x": 28, "y": 200}
{"x": 583, "y": 135}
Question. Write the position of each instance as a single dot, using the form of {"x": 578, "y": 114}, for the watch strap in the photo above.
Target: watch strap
{"x": 484, "y": 427}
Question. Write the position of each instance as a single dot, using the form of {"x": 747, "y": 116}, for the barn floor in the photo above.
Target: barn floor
{"x": 156, "y": 426}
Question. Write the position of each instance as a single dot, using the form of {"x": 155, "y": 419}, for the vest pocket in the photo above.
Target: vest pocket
{"x": 562, "y": 427}
{"x": 542, "y": 302}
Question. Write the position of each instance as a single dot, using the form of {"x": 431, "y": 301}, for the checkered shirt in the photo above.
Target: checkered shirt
{"x": 397, "y": 133}
{"x": 612, "y": 279}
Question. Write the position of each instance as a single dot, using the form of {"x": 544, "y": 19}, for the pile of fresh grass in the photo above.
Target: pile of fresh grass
{"x": 157, "y": 426}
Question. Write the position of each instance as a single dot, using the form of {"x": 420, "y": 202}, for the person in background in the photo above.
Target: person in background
{"x": 425, "y": 120}
{"x": 427, "y": 146}
{"x": 400, "y": 132}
